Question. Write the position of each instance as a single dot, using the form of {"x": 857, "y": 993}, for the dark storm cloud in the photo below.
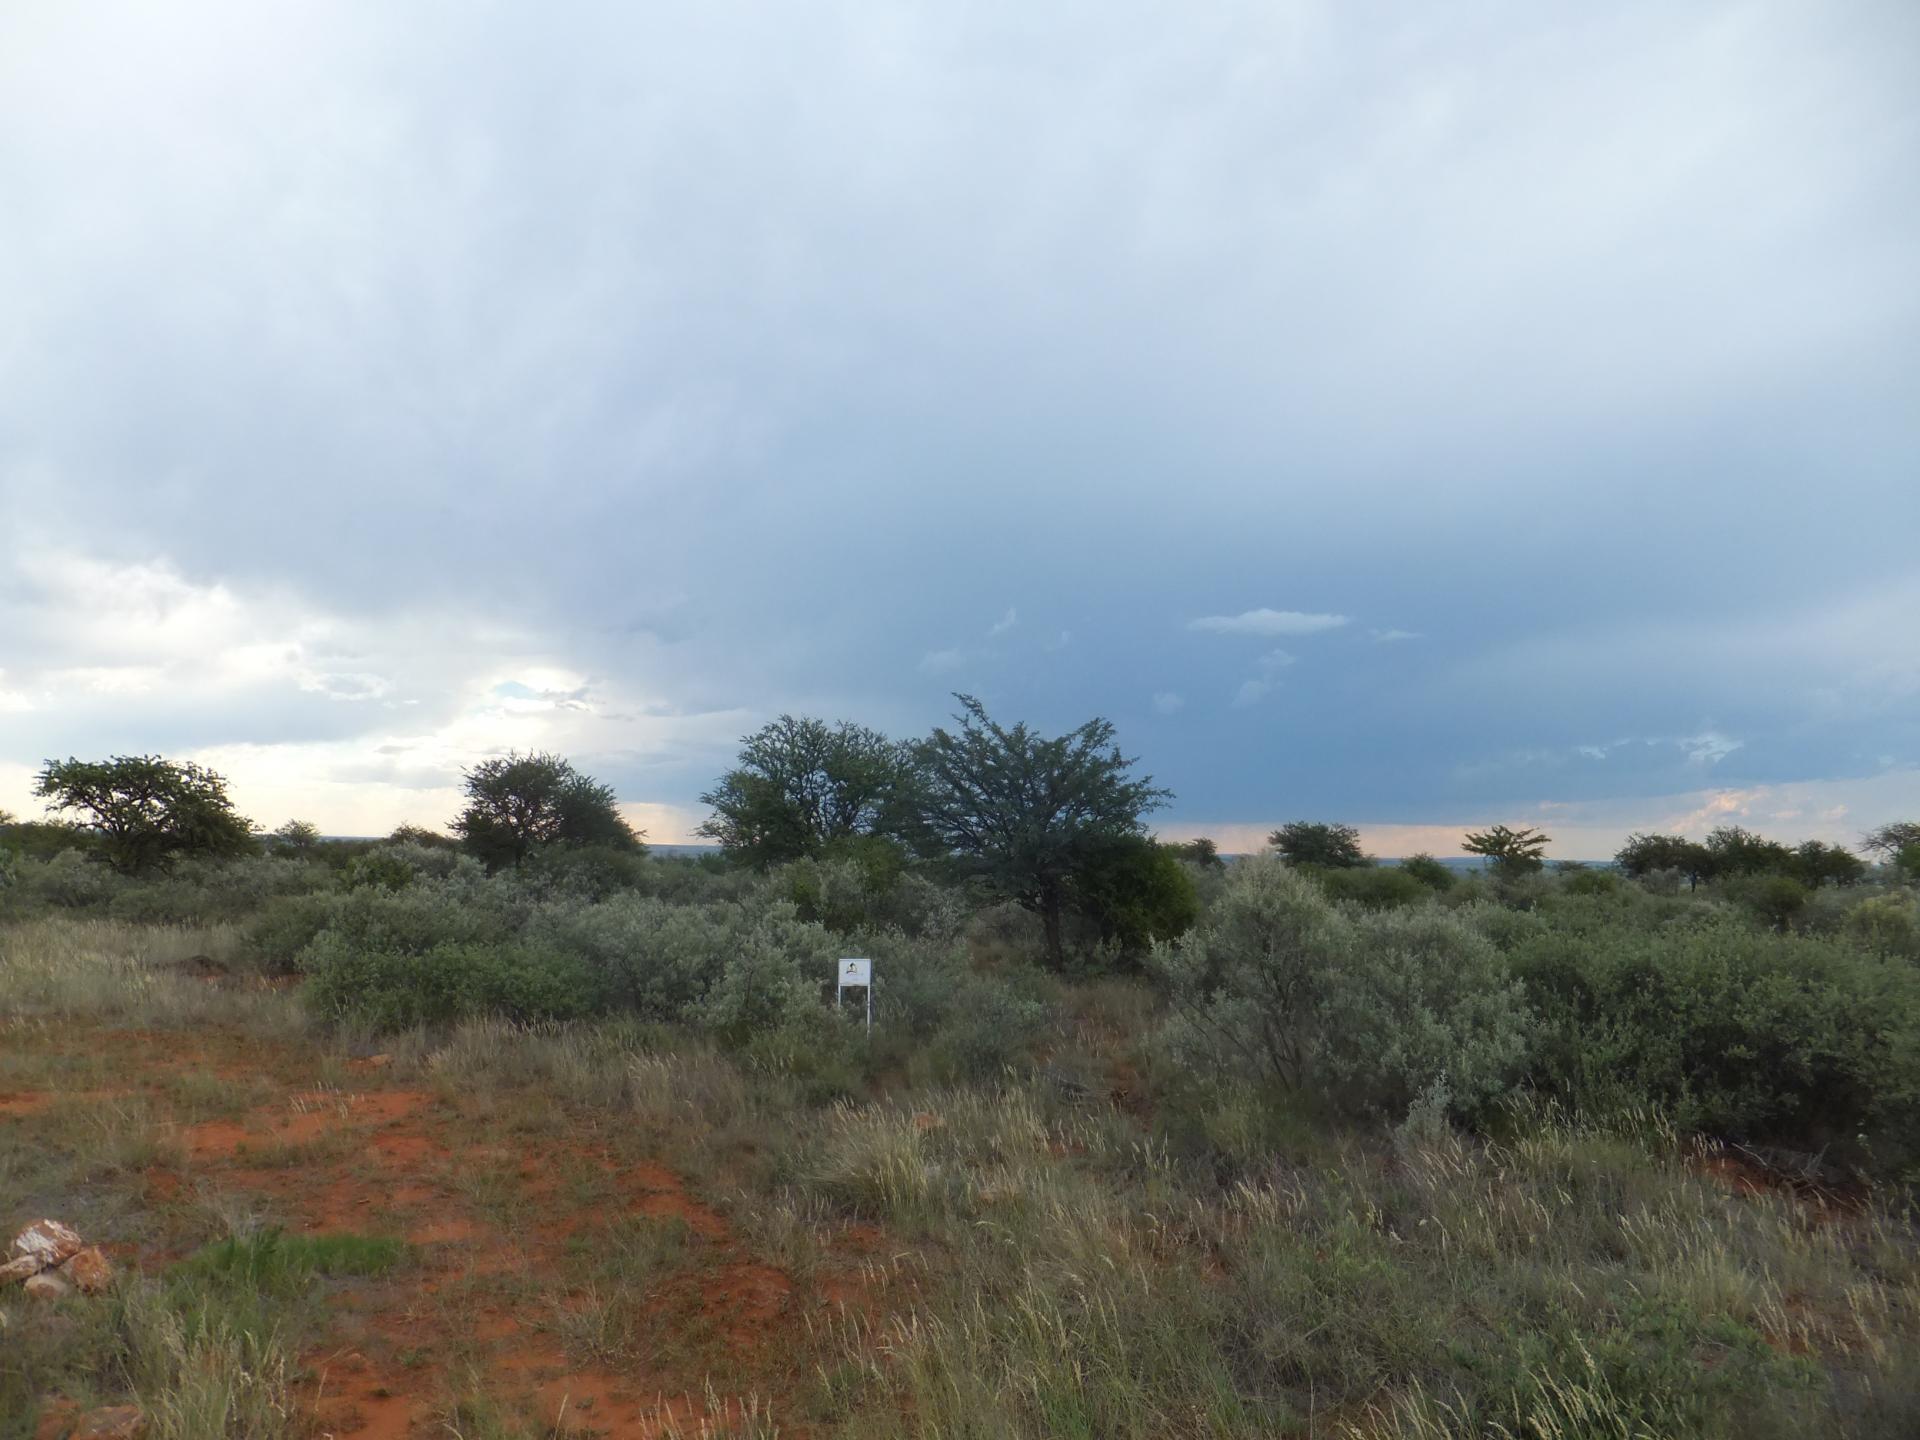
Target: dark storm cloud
{"x": 701, "y": 363}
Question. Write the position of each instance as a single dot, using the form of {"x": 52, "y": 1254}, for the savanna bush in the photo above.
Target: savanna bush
{"x": 1374, "y": 1011}
{"x": 1374, "y": 887}
{"x": 1885, "y": 925}
{"x": 454, "y": 979}
{"x": 68, "y": 881}
{"x": 1798, "y": 1041}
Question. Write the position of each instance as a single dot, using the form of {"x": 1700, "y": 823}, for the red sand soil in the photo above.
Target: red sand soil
{"x": 1743, "y": 1175}
{"x": 384, "y": 1159}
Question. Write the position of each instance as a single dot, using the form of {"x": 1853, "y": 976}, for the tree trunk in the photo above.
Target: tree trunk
{"x": 1050, "y": 916}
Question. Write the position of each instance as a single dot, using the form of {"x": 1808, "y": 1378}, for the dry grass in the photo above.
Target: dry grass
{"x": 1028, "y": 1262}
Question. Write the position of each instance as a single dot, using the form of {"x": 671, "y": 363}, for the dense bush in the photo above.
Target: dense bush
{"x": 1795, "y": 1041}
{"x": 1280, "y": 985}
{"x": 448, "y": 981}
{"x": 1379, "y": 887}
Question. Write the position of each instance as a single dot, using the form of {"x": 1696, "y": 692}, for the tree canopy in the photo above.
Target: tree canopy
{"x": 146, "y": 810}
{"x": 1313, "y": 842}
{"x": 1645, "y": 854}
{"x": 1890, "y": 839}
{"x": 1025, "y": 813}
{"x": 517, "y": 804}
{"x": 801, "y": 785}
{"x": 1511, "y": 852}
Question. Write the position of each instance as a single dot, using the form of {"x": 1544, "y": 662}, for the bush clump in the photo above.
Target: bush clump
{"x": 1281, "y": 986}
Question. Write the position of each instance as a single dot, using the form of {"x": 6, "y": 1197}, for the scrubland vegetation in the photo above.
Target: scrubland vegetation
{"x": 1142, "y": 1143}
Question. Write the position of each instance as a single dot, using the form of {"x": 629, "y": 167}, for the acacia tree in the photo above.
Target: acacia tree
{"x": 1511, "y": 852}
{"x": 517, "y": 804}
{"x": 297, "y": 835}
{"x": 1889, "y": 840}
{"x": 802, "y": 785}
{"x": 1025, "y": 813}
{"x": 1313, "y": 842}
{"x": 146, "y": 810}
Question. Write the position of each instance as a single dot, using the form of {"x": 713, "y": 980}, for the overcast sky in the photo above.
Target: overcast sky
{"x": 1411, "y": 415}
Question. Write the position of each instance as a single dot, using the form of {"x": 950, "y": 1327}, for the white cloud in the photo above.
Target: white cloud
{"x": 1709, "y": 747}
{"x": 1005, "y": 623}
{"x": 942, "y": 662}
{"x": 1385, "y": 637}
{"x": 1168, "y": 702}
{"x": 354, "y": 723}
{"x": 1267, "y": 622}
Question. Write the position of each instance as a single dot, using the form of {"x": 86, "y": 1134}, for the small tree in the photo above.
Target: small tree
{"x": 802, "y": 785}
{"x": 1312, "y": 842}
{"x": 297, "y": 835}
{"x": 146, "y": 810}
{"x": 1510, "y": 852}
{"x": 519, "y": 803}
{"x": 411, "y": 834}
{"x": 1198, "y": 851}
{"x": 1024, "y": 813}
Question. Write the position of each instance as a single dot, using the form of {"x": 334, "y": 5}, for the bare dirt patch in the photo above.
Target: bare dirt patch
{"x": 550, "y": 1272}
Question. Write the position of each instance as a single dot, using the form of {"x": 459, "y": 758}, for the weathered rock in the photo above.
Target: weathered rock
{"x": 89, "y": 1270}
{"x": 20, "y": 1269}
{"x": 116, "y": 1422}
{"x": 47, "y": 1286}
{"x": 47, "y": 1241}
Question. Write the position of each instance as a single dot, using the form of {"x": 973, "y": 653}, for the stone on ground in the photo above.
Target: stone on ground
{"x": 89, "y": 1270}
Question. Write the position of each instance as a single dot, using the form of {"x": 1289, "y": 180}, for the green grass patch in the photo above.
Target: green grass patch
{"x": 276, "y": 1263}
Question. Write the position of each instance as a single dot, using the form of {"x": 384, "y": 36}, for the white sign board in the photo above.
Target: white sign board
{"x": 856, "y": 973}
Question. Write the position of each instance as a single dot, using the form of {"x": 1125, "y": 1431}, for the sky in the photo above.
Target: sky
{"x": 1410, "y": 416}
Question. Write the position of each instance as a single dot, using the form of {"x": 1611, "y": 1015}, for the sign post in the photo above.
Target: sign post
{"x": 852, "y": 974}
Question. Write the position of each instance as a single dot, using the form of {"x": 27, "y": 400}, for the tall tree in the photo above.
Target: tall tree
{"x": 801, "y": 785}
{"x": 146, "y": 810}
{"x": 1025, "y": 813}
{"x": 1313, "y": 842}
{"x": 517, "y": 804}
{"x": 1511, "y": 852}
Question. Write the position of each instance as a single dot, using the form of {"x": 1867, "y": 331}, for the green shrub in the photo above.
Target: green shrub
{"x": 1777, "y": 899}
{"x": 1588, "y": 880}
{"x": 285, "y": 927}
{"x": 1380, "y": 887}
{"x": 1135, "y": 892}
{"x": 70, "y": 880}
{"x": 1789, "y": 1040}
{"x": 378, "y": 870}
{"x": 1278, "y": 985}
{"x": 1885, "y": 925}
{"x": 453, "y": 980}
{"x": 990, "y": 1028}
{"x": 1428, "y": 871}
